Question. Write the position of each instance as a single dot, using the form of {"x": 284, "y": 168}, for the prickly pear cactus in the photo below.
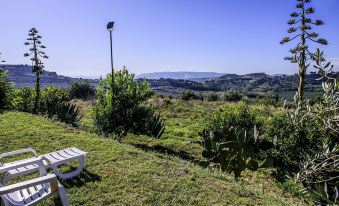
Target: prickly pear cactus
{"x": 234, "y": 149}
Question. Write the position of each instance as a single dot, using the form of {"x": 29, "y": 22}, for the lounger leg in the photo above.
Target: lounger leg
{"x": 62, "y": 195}
{"x": 73, "y": 173}
{"x": 3, "y": 202}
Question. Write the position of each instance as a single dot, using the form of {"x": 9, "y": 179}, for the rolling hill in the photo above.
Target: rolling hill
{"x": 22, "y": 75}
{"x": 198, "y": 76}
{"x": 171, "y": 83}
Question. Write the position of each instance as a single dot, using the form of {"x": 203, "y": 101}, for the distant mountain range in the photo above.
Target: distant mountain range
{"x": 22, "y": 75}
{"x": 168, "y": 82}
{"x": 198, "y": 76}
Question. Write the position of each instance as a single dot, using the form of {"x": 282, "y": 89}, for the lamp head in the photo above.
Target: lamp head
{"x": 110, "y": 26}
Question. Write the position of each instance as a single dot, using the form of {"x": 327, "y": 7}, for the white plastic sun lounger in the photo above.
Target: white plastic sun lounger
{"x": 31, "y": 191}
{"x": 50, "y": 160}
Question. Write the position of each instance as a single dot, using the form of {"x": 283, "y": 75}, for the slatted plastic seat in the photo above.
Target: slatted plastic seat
{"x": 31, "y": 191}
{"x": 51, "y": 160}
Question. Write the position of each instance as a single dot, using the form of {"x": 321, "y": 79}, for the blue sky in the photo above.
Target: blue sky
{"x": 231, "y": 36}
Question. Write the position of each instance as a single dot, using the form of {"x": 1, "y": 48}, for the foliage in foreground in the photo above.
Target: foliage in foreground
{"x": 304, "y": 130}
{"x": 129, "y": 111}
{"x": 320, "y": 176}
{"x": 320, "y": 173}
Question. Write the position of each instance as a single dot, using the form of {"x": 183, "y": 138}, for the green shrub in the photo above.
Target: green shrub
{"x": 189, "y": 95}
{"x": 53, "y": 104}
{"x": 24, "y": 99}
{"x": 6, "y": 91}
{"x": 51, "y": 100}
{"x": 298, "y": 135}
{"x": 212, "y": 97}
{"x": 82, "y": 90}
{"x": 303, "y": 130}
{"x": 319, "y": 171}
{"x": 167, "y": 101}
{"x": 320, "y": 174}
{"x": 232, "y": 96}
{"x": 129, "y": 111}
{"x": 239, "y": 115}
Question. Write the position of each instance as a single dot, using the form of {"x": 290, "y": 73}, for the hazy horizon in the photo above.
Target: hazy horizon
{"x": 158, "y": 36}
{"x": 178, "y": 71}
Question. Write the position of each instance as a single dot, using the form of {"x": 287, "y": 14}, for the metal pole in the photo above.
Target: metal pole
{"x": 112, "y": 86}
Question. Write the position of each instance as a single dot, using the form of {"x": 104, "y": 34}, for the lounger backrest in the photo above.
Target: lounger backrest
{"x": 17, "y": 152}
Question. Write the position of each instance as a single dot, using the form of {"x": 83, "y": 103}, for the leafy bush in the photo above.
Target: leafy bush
{"x": 81, "y": 90}
{"x": 212, "y": 97}
{"x": 24, "y": 99}
{"x": 51, "y": 100}
{"x": 320, "y": 175}
{"x": 240, "y": 115}
{"x": 232, "y": 96}
{"x": 167, "y": 101}
{"x": 303, "y": 130}
{"x": 53, "y": 104}
{"x": 6, "y": 90}
{"x": 189, "y": 95}
{"x": 128, "y": 112}
{"x": 234, "y": 149}
{"x": 295, "y": 140}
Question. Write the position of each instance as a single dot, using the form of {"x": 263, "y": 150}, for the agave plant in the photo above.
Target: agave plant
{"x": 234, "y": 149}
{"x": 68, "y": 113}
{"x": 156, "y": 126}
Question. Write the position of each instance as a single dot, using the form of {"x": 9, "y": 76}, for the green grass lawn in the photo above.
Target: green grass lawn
{"x": 118, "y": 174}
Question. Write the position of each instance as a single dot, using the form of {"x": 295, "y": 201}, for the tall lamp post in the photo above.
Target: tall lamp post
{"x": 110, "y": 28}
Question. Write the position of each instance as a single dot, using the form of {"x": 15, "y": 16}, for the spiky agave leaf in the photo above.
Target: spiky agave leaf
{"x": 156, "y": 125}
{"x": 69, "y": 114}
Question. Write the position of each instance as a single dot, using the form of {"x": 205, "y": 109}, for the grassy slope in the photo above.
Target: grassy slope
{"x": 117, "y": 174}
{"x": 183, "y": 120}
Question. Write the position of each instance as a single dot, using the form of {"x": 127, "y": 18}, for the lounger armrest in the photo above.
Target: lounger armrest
{"x": 27, "y": 150}
{"x": 18, "y": 164}
{"x": 29, "y": 183}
